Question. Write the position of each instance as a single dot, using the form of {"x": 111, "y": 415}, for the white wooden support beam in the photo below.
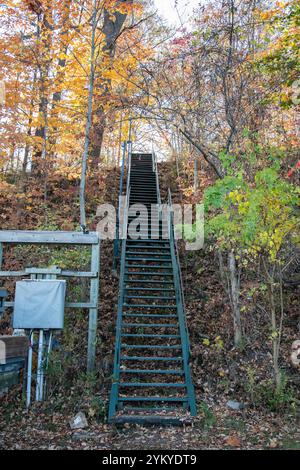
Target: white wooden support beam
{"x": 93, "y": 314}
{"x": 48, "y": 238}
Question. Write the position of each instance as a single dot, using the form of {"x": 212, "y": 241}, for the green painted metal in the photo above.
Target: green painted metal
{"x": 152, "y": 371}
{"x": 117, "y": 239}
{"x": 3, "y": 295}
{"x": 150, "y": 273}
{"x": 155, "y": 306}
{"x": 149, "y": 346}
{"x": 142, "y": 315}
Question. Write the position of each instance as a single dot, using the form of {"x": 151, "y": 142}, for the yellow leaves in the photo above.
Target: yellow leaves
{"x": 270, "y": 14}
{"x": 243, "y": 207}
{"x": 267, "y": 15}
{"x": 282, "y": 4}
{"x": 67, "y": 170}
{"x": 32, "y": 69}
{"x": 236, "y": 197}
{"x": 217, "y": 344}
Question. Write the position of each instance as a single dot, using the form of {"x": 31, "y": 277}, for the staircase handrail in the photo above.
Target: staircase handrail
{"x": 114, "y": 393}
{"x": 155, "y": 170}
{"x": 119, "y": 213}
{"x": 178, "y": 271}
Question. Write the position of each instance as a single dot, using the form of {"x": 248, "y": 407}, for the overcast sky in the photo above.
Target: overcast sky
{"x": 166, "y": 8}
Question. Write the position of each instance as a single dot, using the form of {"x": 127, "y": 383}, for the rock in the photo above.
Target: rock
{"x": 79, "y": 421}
{"x": 235, "y": 405}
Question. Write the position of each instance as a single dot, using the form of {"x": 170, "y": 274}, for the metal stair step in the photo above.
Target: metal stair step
{"x": 145, "y": 247}
{"x": 152, "y": 384}
{"x": 152, "y": 289}
{"x": 136, "y": 193}
{"x": 138, "y": 281}
{"x": 152, "y": 371}
{"x": 150, "y": 198}
{"x": 145, "y": 222}
{"x": 148, "y": 266}
{"x": 149, "y": 297}
{"x": 151, "y": 181}
{"x": 143, "y": 186}
{"x": 150, "y": 241}
{"x": 146, "y": 226}
{"x": 142, "y": 315}
{"x": 163, "y": 399}
{"x": 149, "y": 346}
{"x": 147, "y": 202}
{"x": 149, "y": 408}
{"x": 140, "y": 186}
{"x": 151, "y": 253}
{"x": 171, "y": 307}
{"x": 150, "y": 325}
{"x": 153, "y": 358}
{"x": 142, "y": 273}
{"x": 143, "y": 230}
{"x": 146, "y": 177}
{"x": 158, "y": 242}
{"x": 136, "y": 335}
{"x": 146, "y": 231}
{"x": 151, "y": 177}
{"x": 161, "y": 260}
{"x": 143, "y": 200}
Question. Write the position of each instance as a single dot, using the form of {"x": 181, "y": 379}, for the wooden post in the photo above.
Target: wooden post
{"x": 93, "y": 315}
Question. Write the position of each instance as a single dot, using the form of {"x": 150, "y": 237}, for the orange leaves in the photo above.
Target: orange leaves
{"x": 6, "y": 188}
{"x": 282, "y": 4}
{"x": 46, "y": 76}
{"x": 267, "y": 15}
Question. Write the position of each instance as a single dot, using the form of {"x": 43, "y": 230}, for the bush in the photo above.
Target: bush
{"x": 264, "y": 393}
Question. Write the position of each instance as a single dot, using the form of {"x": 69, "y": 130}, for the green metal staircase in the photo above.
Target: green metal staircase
{"x": 151, "y": 379}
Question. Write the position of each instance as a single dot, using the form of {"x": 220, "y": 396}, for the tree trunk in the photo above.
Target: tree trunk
{"x": 112, "y": 26}
{"x": 276, "y": 323}
{"x": 196, "y": 179}
{"x": 60, "y": 76}
{"x": 235, "y": 294}
{"x": 88, "y": 121}
{"x": 44, "y": 37}
{"x": 29, "y": 130}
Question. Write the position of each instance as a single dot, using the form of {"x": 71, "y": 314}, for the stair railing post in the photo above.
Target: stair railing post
{"x": 116, "y": 374}
{"x": 155, "y": 170}
{"x": 117, "y": 236}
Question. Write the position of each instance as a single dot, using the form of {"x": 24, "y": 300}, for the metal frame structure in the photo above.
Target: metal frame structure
{"x": 3, "y": 295}
{"x": 118, "y": 401}
{"x": 92, "y": 240}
